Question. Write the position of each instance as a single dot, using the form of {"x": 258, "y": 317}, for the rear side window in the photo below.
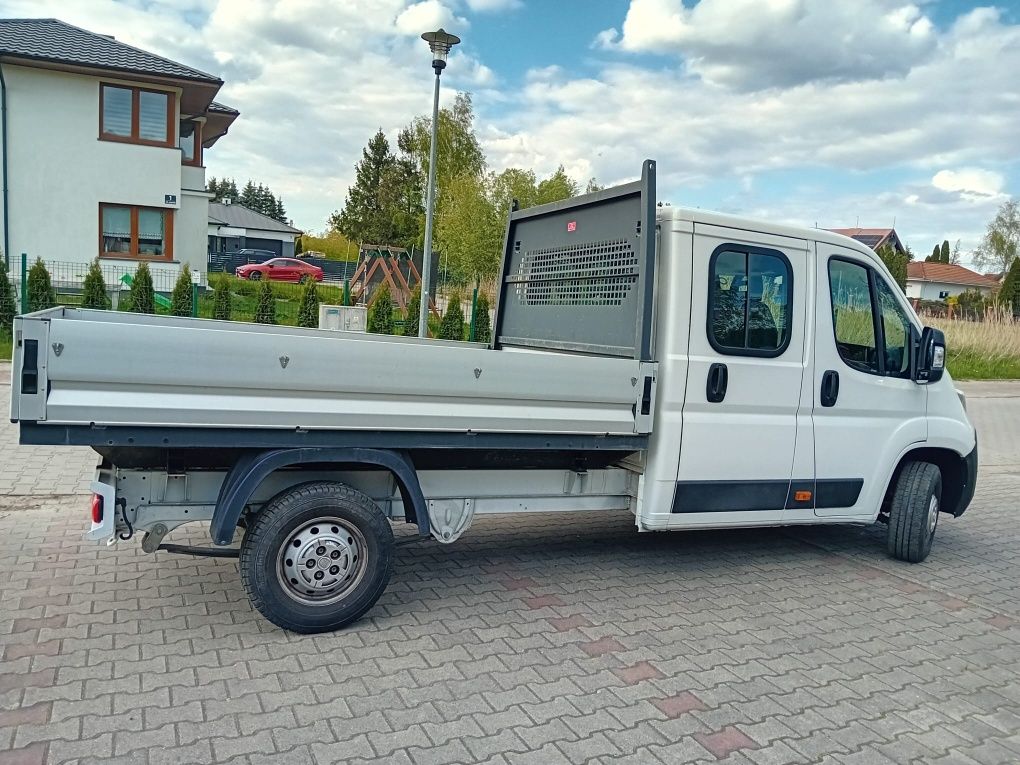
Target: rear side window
{"x": 749, "y": 301}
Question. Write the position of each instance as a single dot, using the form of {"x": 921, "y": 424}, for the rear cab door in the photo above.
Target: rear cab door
{"x": 745, "y": 433}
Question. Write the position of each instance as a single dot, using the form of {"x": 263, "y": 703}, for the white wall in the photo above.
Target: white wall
{"x": 59, "y": 170}
{"x": 932, "y": 290}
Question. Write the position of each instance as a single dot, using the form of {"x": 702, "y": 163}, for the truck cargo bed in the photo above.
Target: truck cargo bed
{"x": 102, "y": 371}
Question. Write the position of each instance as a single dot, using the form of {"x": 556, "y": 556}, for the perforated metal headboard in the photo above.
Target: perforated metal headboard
{"x": 578, "y": 275}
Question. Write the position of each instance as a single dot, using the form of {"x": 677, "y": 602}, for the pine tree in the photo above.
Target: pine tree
{"x": 249, "y": 196}
{"x": 936, "y": 255}
{"x": 308, "y": 313}
{"x": 483, "y": 326}
{"x": 364, "y": 217}
{"x": 94, "y": 289}
{"x": 452, "y": 325}
{"x": 8, "y": 308}
{"x": 1009, "y": 292}
{"x": 143, "y": 294}
{"x": 279, "y": 211}
{"x": 40, "y": 289}
{"x": 180, "y": 298}
{"x": 944, "y": 252}
{"x": 380, "y": 313}
{"x": 222, "y": 299}
{"x": 265, "y": 310}
{"x": 413, "y": 311}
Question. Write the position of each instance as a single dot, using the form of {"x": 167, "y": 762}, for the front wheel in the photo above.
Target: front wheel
{"x": 914, "y": 513}
{"x": 254, "y": 276}
{"x": 316, "y": 557}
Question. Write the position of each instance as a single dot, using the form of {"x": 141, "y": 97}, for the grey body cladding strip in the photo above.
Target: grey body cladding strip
{"x": 269, "y": 438}
{"x": 733, "y": 496}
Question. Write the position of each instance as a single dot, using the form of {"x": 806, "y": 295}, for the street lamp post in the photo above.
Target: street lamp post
{"x": 440, "y": 42}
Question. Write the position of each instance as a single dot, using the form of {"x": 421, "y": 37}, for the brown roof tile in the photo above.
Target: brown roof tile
{"x": 948, "y": 273}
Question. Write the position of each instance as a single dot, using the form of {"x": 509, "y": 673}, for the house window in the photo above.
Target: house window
{"x": 190, "y": 143}
{"x": 129, "y": 231}
{"x": 943, "y": 294}
{"x": 749, "y": 301}
{"x": 136, "y": 115}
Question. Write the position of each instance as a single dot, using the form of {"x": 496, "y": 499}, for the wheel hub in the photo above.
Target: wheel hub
{"x": 933, "y": 514}
{"x": 322, "y": 561}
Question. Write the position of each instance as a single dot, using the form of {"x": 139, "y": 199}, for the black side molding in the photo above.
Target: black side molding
{"x": 734, "y": 496}
{"x": 30, "y": 367}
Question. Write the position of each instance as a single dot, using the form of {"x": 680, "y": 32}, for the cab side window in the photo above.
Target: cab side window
{"x": 872, "y": 331}
{"x": 749, "y": 301}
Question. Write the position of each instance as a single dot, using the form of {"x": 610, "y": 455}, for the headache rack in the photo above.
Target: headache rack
{"x": 579, "y": 275}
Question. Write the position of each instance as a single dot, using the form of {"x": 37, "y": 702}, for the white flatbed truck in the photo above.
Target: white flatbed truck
{"x": 696, "y": 370}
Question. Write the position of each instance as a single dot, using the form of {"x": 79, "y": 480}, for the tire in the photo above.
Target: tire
{"x": 914, "y": 512}
{"x": 254, "y": 276}
{"x": 345, "y": 537}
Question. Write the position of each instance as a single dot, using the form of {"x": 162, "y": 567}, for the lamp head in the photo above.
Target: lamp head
{"x": 440, "y": 42}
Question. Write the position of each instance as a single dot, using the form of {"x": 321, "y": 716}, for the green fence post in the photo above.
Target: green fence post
{"x": 347, "y": 291}
{"x": 474, "y": 307}
{"x": 24, "y": 282}
{"x": 194, "y": 300}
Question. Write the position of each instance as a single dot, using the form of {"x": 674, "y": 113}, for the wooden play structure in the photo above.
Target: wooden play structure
{"x": 395, "y": 267}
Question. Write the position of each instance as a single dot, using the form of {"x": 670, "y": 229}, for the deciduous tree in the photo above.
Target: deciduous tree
{"x": 1001, "y": 243}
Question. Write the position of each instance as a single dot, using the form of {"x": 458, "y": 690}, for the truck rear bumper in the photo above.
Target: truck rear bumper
{"x": 970, "y": 478}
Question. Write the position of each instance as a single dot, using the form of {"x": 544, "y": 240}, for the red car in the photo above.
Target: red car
{"x": 281, "y": 270}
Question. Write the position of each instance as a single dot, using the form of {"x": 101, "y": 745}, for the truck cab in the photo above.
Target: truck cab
{"x": 793, "y": 384}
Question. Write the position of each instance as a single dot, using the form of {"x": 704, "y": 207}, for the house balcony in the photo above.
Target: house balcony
{"x": 192, "y": 178}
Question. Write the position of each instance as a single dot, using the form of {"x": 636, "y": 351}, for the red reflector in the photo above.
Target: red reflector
{"x": 97, "y": 508}
{"x": 571, "y": 226}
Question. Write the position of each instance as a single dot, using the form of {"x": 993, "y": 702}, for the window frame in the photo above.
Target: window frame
{"x": 876, "y": 320}
{"x": 196, "y": 136}
{"x": 135, "y": 137}
{"x": 747, "y": 250}
{"x": 168, "y": 234}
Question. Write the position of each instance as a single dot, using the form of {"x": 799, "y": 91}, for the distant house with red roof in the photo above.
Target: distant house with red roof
{"x": 937, "y": 281}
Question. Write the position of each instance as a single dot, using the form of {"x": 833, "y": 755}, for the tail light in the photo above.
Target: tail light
{"x": 97, "y": 509}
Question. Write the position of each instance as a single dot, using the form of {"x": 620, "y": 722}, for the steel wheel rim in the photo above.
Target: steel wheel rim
{"x": 322, "y": 561}
{"x": 933, "y": 514}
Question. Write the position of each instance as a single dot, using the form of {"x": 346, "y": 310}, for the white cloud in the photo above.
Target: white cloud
{"x": 490, "y": 6}
{"x": 970, "y": 182}
{"x": 428, "y": 15}
{"x": 754, "y": 44}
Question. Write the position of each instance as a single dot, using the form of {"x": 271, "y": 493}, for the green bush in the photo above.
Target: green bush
{"x": 265, "y": 311}
{"x": 180, "y": 298}
{"x": 8, "y": 307}
{"x": 380, "y": 313}
{"x": 221, "y": 299}
{"x": 413, "y": 311}
{"x": 452, "y": 325}
{"x": 298, "y": 247}
{"x": 93, "y": 294}
{"x": 143, "y": 295}
{"x": 483, "y": 325}
{"x": 40, "y": 289}
{"x": 308, "y": 312}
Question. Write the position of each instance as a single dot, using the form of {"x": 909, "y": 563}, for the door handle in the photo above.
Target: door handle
{"x": 718, "y": 377}
{"x": 830, "y": 387}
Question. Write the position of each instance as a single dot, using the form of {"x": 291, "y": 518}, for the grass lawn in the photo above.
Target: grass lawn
{"x": 5, "y": 348}
{"x": 981, "y": 350}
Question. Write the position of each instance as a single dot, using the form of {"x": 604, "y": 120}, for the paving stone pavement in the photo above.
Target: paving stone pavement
{"x": 532, "y": 640}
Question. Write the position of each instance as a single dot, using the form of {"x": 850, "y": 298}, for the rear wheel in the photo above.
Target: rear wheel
{"x": 914, "y": 511}
{"x": 316, "y": 557}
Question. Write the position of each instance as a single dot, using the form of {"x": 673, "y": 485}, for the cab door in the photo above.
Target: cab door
{"x": 741, "y": 434}
{"x": 867, "y": 409}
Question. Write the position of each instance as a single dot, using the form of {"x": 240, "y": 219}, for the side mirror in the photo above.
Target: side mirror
{"x": 931, "y": 356}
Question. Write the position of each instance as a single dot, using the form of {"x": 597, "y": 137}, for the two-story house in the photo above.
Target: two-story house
{"x": 102, "y": 149}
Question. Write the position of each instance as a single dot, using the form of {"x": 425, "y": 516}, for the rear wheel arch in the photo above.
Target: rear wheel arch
{"x": 251, "y": 470}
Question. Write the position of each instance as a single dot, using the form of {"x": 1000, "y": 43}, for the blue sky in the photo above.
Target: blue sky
{"x": 827, "y": 112}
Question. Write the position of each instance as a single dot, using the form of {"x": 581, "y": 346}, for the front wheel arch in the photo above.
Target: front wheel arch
{"x": 954, "y": 475}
